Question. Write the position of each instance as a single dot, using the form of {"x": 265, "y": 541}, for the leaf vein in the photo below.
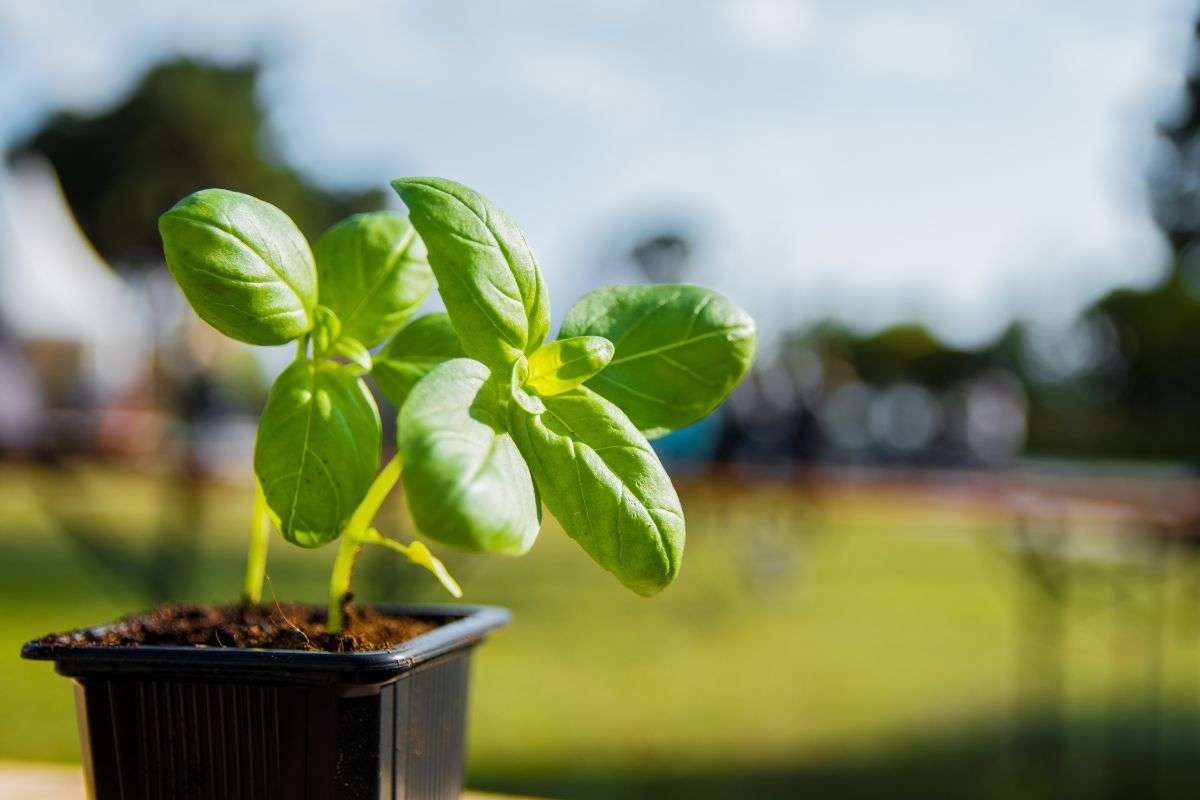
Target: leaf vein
{"x": 676, "y": 345}
{"x": 388, "y": 268}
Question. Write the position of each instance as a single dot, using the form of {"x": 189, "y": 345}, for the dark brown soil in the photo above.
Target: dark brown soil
{"x": 282, "y": 626}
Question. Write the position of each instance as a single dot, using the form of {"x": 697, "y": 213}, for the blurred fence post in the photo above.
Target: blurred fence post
{"x": 1042, "y": 593}
{"x": 1139, "y": 632}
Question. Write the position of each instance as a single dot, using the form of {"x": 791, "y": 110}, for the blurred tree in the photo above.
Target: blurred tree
{"x": 188, "y": 125}
{"x": 911, "y": 353}
{"x": 1151, "y": 412}
{"x": 1175, "y": 168}
{"x": 1133, "y": 393}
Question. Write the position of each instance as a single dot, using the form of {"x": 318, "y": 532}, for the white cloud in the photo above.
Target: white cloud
{"x": 912, "y": 47}
{"x": 586, "y": 80}
{"x": 771, "y": 24}
{"x": 821, "y": 192}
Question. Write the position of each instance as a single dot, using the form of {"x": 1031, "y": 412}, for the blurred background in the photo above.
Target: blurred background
{"x": 943, "y": 540}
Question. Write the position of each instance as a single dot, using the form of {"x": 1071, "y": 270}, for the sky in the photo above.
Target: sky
{"x": 958, "y": 163}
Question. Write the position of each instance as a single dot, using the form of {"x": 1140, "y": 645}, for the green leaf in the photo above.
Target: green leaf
{"x": 329, "y": 340}
{"x": 419, "y": 347}
{"x": 418, "y": 554}
{"x": 373, "y": 273}
{"x": 326, "y": 330}
{"x": 558, "y": 366}
{"x": 353, "y": 351}
{"x": 679, "y": 350}
{"x": 464, "y": 479}
{"x": 242, "y": 264}
{"x": 317, "y": 450}
{"x": 604, "y": 484}
{"x": 486, "y": 272}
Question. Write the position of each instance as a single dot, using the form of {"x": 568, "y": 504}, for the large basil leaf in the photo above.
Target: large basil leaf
{"x": 486, "y": 272}
{"x": 604, "y": 484}
{"x": 242, "y": 264}
{"x": 464, "y": 479}
{"x": 317, "y": 450}
{"x": 373, "y": 273}
{"x": 419, "y": 347}
{"x": 679, "y": 350}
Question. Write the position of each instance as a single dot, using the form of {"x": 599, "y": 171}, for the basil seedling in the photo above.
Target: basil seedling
{"x": 485, "y": 437}
{"x": 494, "y": 422}
{"x": 248, "y": 271}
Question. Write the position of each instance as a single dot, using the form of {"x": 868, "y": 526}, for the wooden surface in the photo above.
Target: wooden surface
{"x": 22, "y": 781}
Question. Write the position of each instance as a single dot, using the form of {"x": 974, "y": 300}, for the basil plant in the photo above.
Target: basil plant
{"x": 494, "y": 420}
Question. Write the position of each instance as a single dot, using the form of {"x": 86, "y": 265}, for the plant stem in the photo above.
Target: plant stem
{"x": 339, "y": 581}
{"x": 419, "y": 554}
{"x": 256, "y": 558}
{"x": 260, "y": 529}
{"x": 384, "y": 482}
{"x": 354, "y": 535}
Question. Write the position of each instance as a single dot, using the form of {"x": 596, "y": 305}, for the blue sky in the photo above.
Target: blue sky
{"x": 956, "y": 162}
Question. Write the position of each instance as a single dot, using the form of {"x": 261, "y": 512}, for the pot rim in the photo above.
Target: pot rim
{"x": 467, "y": 627}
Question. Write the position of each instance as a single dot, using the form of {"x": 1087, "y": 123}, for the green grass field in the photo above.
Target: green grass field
{"x": 855, "y": 641}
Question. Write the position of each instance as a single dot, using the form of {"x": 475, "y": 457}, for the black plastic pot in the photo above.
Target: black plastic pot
{"x": 184, "y": 722}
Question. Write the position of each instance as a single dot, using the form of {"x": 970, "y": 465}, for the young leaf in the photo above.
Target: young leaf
{"x": 242, "y": 264}
{"x": 328, "y": 340}
{"x": 317, "y": 450}
{"x": 327, "y": 327}
{"x": 419, "y": 554}
{"x": 419, "y": 347}
{"x": 679, "y": 350}
{"x": 353, "y": 351}
{"x": 604, "y": 484}
{"x": 558, "y": 366}
{"x": 486, "y": 272}
{"x": 465, "y": 482}
{"x": 373, "y": 273}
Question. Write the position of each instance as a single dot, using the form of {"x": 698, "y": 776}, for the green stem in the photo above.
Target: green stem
{"x": 384, "y": 482}
{"x": 419, "y": 554}
{"x": 354, "y": 535}
{"x": 339, "y": 581}
{"x": 256, "y": 559}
